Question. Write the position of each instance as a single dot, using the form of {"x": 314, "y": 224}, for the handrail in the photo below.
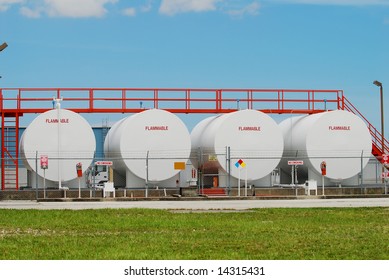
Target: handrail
{"x": 201, "y": 100}
{"x": 376, "y": 135}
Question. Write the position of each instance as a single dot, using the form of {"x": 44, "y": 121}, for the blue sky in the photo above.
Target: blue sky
{"x": 305, "y": 44}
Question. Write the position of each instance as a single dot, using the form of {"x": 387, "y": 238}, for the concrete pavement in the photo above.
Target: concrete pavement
{"x": 198, "y": 204}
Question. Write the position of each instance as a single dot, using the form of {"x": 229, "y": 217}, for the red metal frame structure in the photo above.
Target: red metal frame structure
{"x": 15, "y": 102}
{"x": 187, "y": 101}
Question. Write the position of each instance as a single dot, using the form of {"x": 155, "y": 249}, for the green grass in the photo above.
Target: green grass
{"x": 299, "y": 234}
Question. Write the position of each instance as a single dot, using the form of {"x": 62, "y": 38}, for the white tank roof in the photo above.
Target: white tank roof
{"x": 251, "y": 135}
{"x": 159, "y": 133}
{"x": 71, "y": 139}
{"x": 338, "y": 137}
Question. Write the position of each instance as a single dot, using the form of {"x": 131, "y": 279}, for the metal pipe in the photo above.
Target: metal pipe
{"x": 147, "y": 174}
{"x": 36, "y": 175}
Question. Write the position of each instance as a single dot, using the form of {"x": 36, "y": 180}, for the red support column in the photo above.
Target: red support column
{"x": 156, "y": 99}
{"x": 187, "y": 100}
{"x": 123, "y": 100}
{"x": 16, "y": 159}
{"x": 313, "y": 100}
{"x": 218, "y": 100}
{"x": 2, "y": 151}
{"x": 250, "y": 99}
{"x": 91, "y": 100}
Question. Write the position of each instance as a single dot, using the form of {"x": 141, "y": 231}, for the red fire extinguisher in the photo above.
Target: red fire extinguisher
{"x": 323, "y": 167}
{"x": 79, "y": 169}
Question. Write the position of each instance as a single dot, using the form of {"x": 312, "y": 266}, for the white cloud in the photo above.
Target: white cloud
{"x": 147, "y": 7}
{"x": 59, "y": 8}
{"x": 131, "y": 12}
{"x": 30, "y": 13}
{"x": 98, "y": 8}
{"x": 5, "y": 4}
{"x": 337, "y": 2}
{"x": 250, "y": 9}
{"x": 172, "y": 7}
{"x": 77, "y": 8}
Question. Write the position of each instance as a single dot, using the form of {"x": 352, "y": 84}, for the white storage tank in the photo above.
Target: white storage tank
{"x": 339, "y": 138}
{"x": 156, "y": 135}
{"x": 58, "y": 134}
{"x": 252, "y": 136}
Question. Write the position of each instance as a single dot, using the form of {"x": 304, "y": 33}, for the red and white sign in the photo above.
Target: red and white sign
{"x": 79, "y": 169}
{"x": 106, "y": 162}
{"x": 323, "y": 168}
{"x": 44, "y": 162}
{"x": 385, "y": 158}
{"x": 295, "y": 162}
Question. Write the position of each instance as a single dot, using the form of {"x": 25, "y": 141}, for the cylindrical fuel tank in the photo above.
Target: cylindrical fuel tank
{"x": 339, "y": 138}
{"x": 148, "y": 145}
{"x": 252, "y": 137}
{"x": 65, "y": 137}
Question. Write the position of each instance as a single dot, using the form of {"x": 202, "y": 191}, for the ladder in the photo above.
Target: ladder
{"x": 10, "y": 151}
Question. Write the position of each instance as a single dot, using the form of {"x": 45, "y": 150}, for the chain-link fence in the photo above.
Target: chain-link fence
{"x": 204, "y": 168}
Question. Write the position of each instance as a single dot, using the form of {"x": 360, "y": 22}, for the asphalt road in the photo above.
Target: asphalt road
{"x": 226, "y": 205}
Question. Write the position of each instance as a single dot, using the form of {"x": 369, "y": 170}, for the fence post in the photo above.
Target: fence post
{"x": 200, "y": 185}
{"x": 36, "y": 175}
{"x": 147, "y": 174}
{"x": 362, "y": 168}
{"x": 228, "y": 165}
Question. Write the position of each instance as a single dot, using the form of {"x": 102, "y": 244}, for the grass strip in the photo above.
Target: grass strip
{"x": 143, "y": 234}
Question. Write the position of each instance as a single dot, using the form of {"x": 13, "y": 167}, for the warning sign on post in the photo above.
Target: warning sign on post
{"x": 240, "y": 163}
{"x": 44, "y": 162}
{"x": 105, "y": 163}
{"x": 295, "y": 162}
{"x": 179, "y": 165}
{"x": 212, "y": 157}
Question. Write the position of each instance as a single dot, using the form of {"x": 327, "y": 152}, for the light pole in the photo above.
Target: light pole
{"x": 58, "y": 107}
{"x": 379, "y": 84}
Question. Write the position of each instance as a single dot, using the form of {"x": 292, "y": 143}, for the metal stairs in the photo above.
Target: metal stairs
{"x": 380, "y": 145}
{"x": 10, "y": 151}
{"x": 213, "y": 192}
